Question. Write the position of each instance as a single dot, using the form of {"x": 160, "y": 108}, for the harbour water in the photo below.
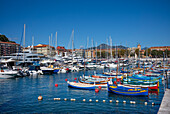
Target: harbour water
{"x": 21, "y": 95}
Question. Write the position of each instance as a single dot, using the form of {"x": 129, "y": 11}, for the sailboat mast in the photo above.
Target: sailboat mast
{"x": 72, "y": 40}
{"x": 96, "y": 52}
{"x": 49, "y": 46}
{"x": 32, "y": 46}
{"x": 87, "y": 46}
{"x": 111, "y": 48}
{"x": 56, "y": 42}
{"x": 92, "y": 47}
{"x": 24, "y": 45}
{"x": 107, "y": 49}
{"x": 100, "y": 51}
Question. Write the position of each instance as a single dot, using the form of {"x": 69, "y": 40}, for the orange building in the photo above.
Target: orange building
{"x": 162, "y": 48}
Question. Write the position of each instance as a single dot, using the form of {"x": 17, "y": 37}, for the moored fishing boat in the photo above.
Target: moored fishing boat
{"x": 91, "y": 80}
{"x": 126, "y": 90}
{"x": 85, "y": 86}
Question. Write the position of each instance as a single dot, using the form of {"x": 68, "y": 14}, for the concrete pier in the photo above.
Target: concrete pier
{"x": 165, "y": 104}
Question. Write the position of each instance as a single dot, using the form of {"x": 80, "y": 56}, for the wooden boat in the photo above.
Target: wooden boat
{"x": 149, "y": 86}
{"x": 127, "y": 90}
{"x": 107, "y": 76}
{"x": 91, "y": 80}
{"x": 85, "y": 86}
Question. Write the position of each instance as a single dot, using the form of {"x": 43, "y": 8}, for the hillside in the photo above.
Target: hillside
{"x": 3, "y": 38}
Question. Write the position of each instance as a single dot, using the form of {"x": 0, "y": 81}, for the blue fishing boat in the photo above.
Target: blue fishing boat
{"x": 127, "y": 90}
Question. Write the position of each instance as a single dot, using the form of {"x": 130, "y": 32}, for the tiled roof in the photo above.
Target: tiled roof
{"x": 9, "y": 43}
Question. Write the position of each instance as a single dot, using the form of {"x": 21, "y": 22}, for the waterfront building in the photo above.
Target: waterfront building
{"x": 45, "y": 49}
{"x": 60, "y": 50}
{"x": 7, "y": 48}
{"x": 162, "y": 48}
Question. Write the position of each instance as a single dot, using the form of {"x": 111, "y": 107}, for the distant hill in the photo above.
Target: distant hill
{"x": 3, "y": 38}
{"x": 105, "y": 46}
{"x": 144, "y": 48}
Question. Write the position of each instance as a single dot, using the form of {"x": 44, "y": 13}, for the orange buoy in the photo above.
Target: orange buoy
{"x": 96, "y": 90}
{"x": 66, "y": 80}
{"x": 56, "y": 85}
{"x": 100, "y": 87}
{"x": 40, "y": 97}
{"x": 75, "y": 78}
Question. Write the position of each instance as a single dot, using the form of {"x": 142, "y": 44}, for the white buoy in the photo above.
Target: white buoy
{"x": 124, "y": 101}
{"x": 73, "y": 99}
{"x": 40, "y": 97}
{"x": 90, "y": 100}
{"x": 131, "y": 102}
{"x": 153, "y": 103}
{"x": 104, "y": 100}
{"x": 84, "y": 100}
{"x": 57, "y": 99}
{"x": 146, "y": 103}
{"x": 110, "y": 101}
{"x": 117, "y": 101}
{"x": 97, "y": 100}
{"x": 65, "y": 99}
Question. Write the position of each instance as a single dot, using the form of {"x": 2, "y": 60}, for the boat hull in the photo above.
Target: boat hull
{"x": 130, "y": 91}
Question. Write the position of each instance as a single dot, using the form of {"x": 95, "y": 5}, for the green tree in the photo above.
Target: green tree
{"x": 147, "y": 50}
{"x": 154, "y": 53}
{"x": 3, "y": 38}
{"x": 137, "y": 52}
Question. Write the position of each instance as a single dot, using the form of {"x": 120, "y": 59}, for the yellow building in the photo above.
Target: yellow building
{"x": 45, "y": 49}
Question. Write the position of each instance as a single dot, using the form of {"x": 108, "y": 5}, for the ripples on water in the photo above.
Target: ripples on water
{"x": 20, "y": 95}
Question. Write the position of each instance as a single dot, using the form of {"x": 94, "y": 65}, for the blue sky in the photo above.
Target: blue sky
{"x": 128, "y": 22}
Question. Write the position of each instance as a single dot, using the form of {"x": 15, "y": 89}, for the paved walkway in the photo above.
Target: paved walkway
{"x": 165, "y": 105}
